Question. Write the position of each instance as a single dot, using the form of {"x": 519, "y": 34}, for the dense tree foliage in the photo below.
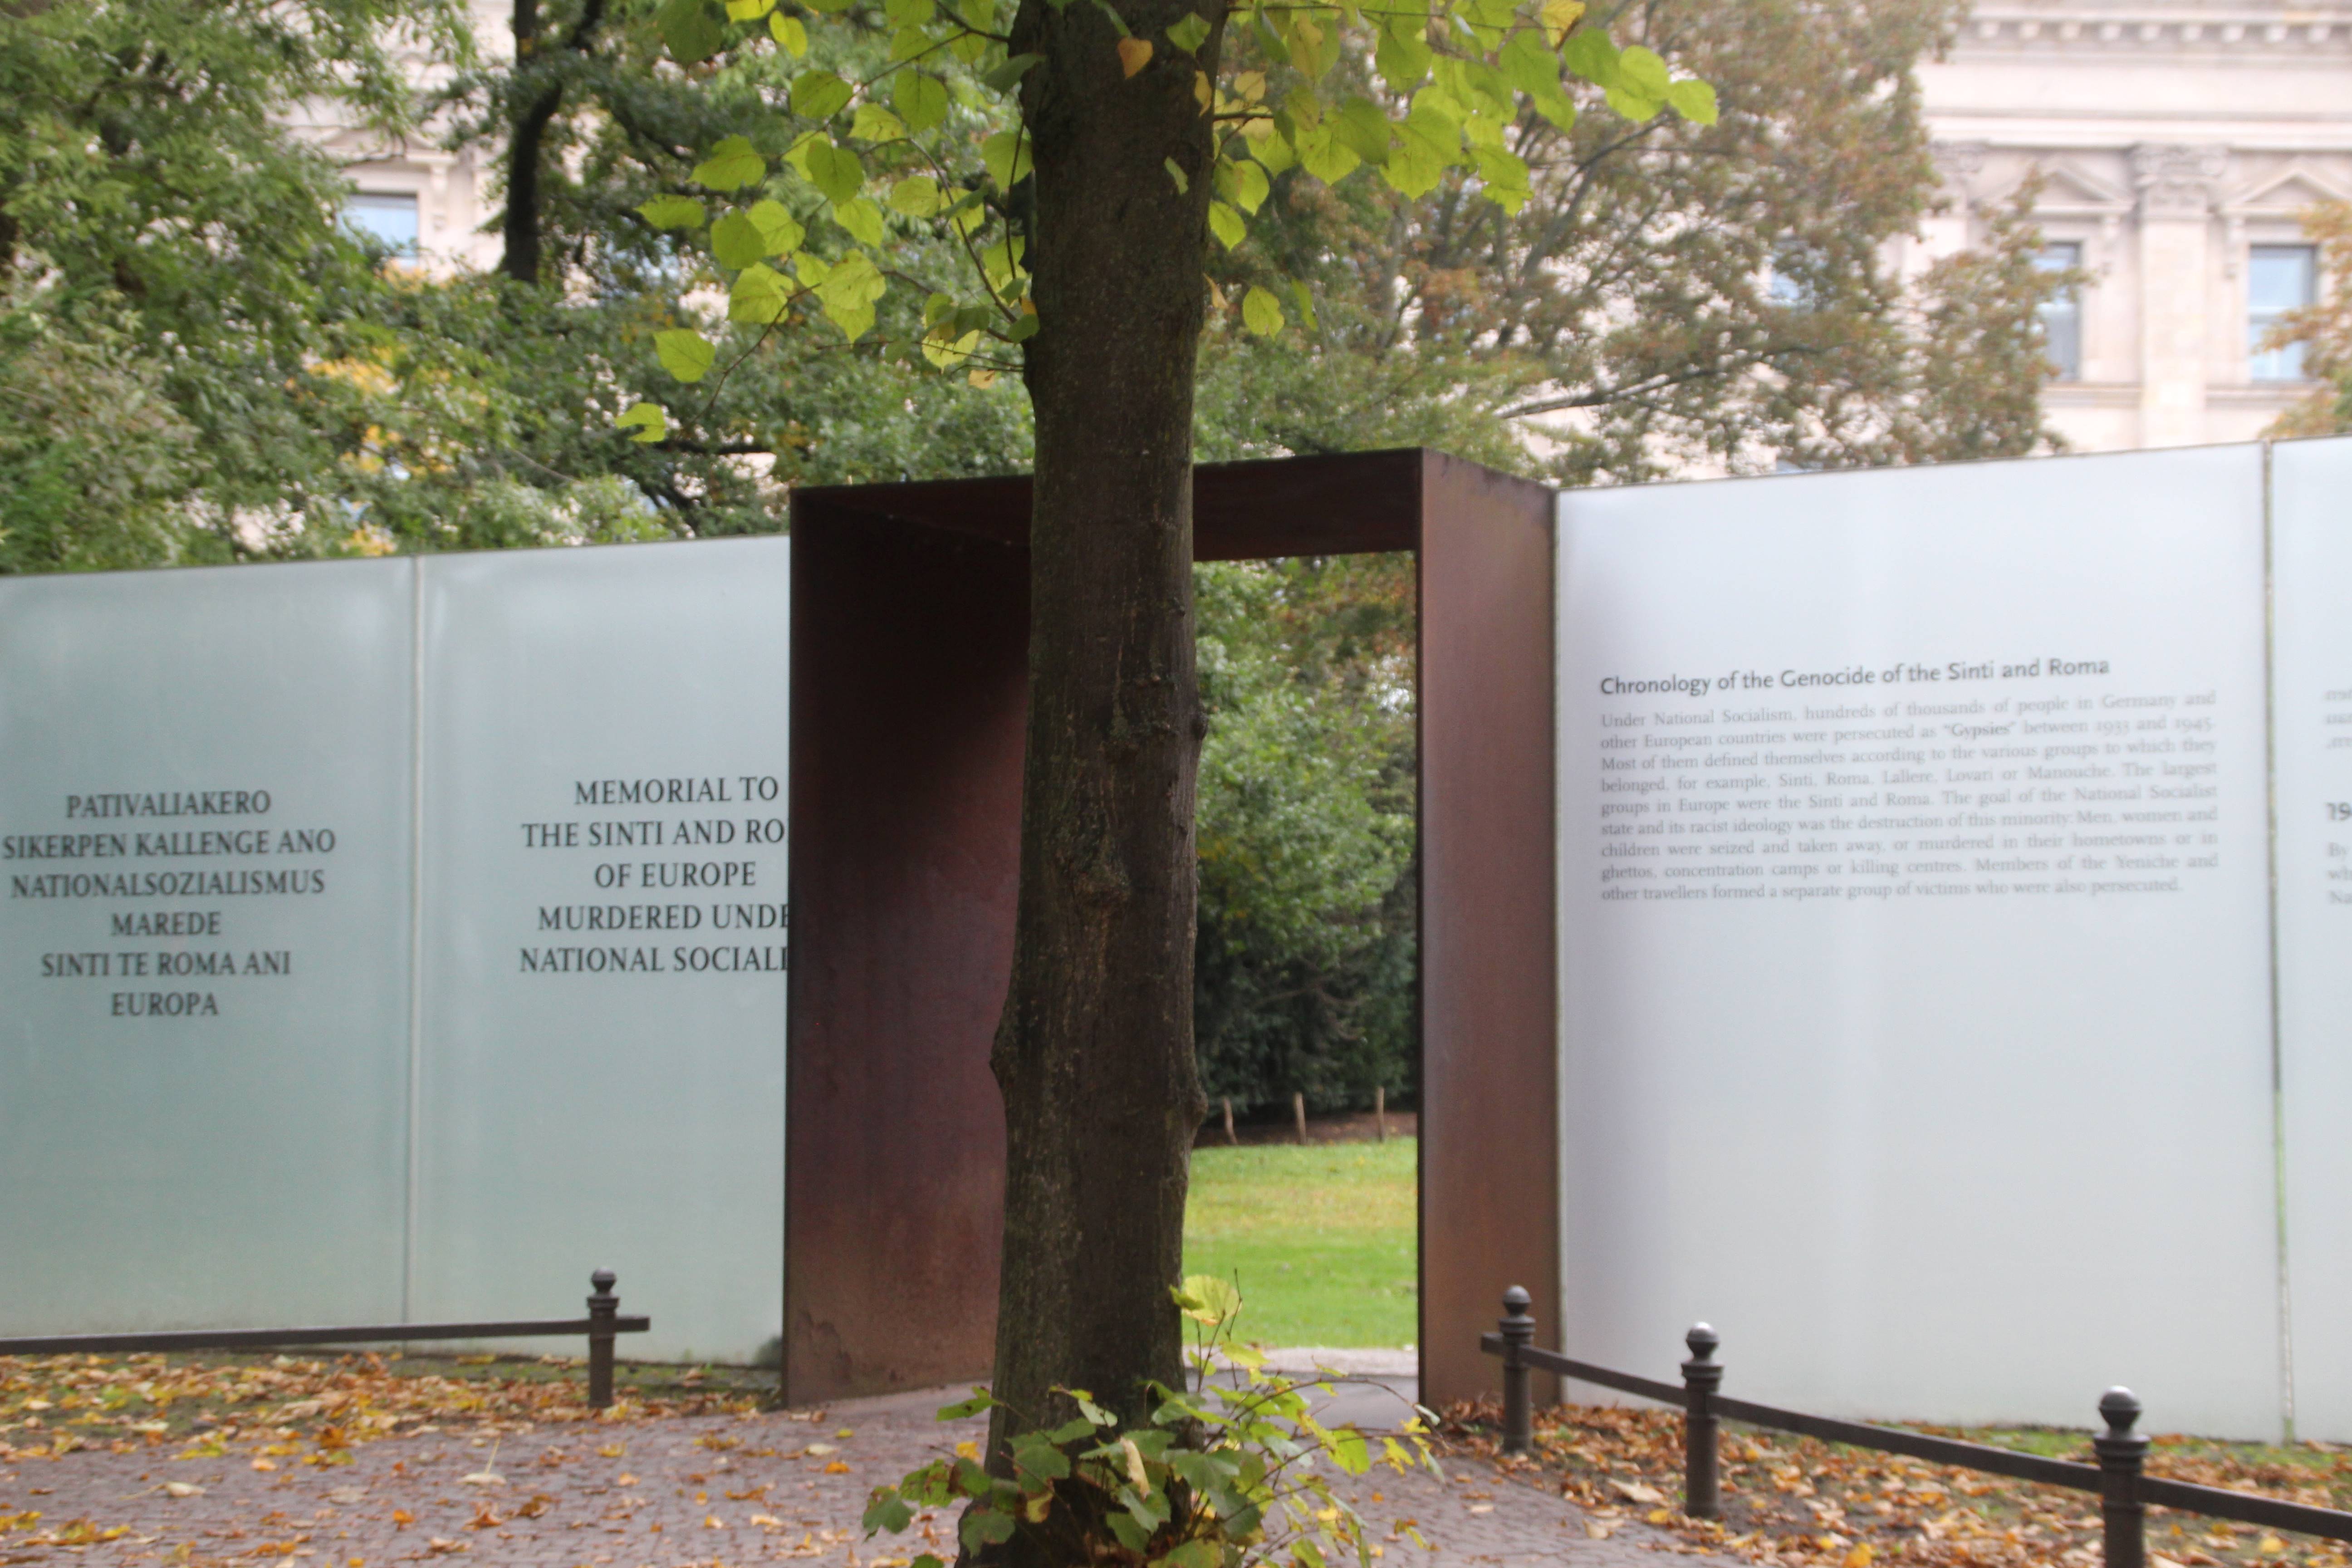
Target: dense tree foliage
{"x": 1304, "y": 963}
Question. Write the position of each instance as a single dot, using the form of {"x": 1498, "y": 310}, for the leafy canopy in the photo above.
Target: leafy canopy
{"x": 809, "y": 211}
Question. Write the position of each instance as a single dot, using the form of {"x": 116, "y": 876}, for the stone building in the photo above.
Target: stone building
{"x": 2179, "y": 142}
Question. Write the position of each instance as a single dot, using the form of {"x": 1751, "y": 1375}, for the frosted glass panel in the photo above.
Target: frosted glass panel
{"x": 203, "y": 976}
{"x": 1915, "y": 968}
{"x": 603, "y": 937}
{"x": 2312, "y": 533}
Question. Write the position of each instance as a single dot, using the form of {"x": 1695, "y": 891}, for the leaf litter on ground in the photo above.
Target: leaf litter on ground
{"x": 1795, "y": 1503}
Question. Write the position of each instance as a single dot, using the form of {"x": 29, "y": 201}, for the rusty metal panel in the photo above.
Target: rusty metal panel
{"x": 910, "y": 637}
{"x": 1489, "y": 1116}
{"x": 910, "y": 669}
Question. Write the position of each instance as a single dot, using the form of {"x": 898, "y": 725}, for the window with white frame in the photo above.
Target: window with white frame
{"x": 2062, "y": 312}
{"x": 2279, "y": 278}
{"x": 388, "y": 217}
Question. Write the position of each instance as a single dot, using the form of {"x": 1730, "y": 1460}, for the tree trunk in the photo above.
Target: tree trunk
{"x": 527, "y": 134}
{"x": 1094, "y": 1053}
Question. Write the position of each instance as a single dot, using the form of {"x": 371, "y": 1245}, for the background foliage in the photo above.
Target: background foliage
{"x": 199, "y": 363}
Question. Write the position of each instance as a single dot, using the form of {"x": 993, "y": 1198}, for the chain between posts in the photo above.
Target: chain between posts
{"x": 2119, "y": 1477}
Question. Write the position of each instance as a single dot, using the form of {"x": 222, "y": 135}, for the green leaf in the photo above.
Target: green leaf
{"x": 1227, "y": 225}
{"x": 861, "y": 217}
{"x": 835, "y": 170}
{"x": 875, "y": 123}
{"x": 1693, "y": 99}
{"x": 1634, "y": 105}
{"x": 1642, "y": 71}
{"x": 761, "y": 295}
{"x": 921, "y": 101}
{"x": 779, "y": 232}
{"x": 911, "y": 13}
{"x": 1006, "y": 156}
{"x": 849, "y": 293}
{"x": 1307, "y": 314}
{"x": 1589, "y": 53}
{"x": 820, "y": 95}
{"x": 985, "y": 1527}
{"x": 1324, "y": 156}
{"x": 1190, "y": 33}
{"x": 1273, "y": 153}
{"x": 1504, "y": 175}
{"x": 1527, "y": 65}
{"x": 1131, "y": 1535}
{"x": 1261, "y": 312}
{"x": 749, "y": 10}
{"x": 1004, "y": 78}
{"x": 653, "y": 424}
{"x": 1403, "y": 61}
{"x": 1348, "y": 1451}
{"x": 736, "y": 242}
{"x": 685, "y": 355}
{"x": 1362, "y": 129}
{"x": 1245, "y": 184}
{"x": 1195, "y": 1554}
{"x": 672, "y": 212}
{"x": 888, "y": 1511}
{"x": 692, "y": 30}
{"x": 1176, "y": 174}
{"x": 1035, "y": 1457}
{"x": 917, "y": 196}
{"x": 732, "y": 164}
{"x": 1071, "y": 1431}
{"x": 790, "y": 32}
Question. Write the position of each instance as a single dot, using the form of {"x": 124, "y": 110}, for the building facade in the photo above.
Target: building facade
{"x": 2178, "y": 142}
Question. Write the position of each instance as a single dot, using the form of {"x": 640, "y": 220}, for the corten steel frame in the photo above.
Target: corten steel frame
{"x": 909, "y": 695}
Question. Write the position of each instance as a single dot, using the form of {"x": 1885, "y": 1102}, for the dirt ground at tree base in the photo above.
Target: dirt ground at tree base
{"x": 659, "y": 1492}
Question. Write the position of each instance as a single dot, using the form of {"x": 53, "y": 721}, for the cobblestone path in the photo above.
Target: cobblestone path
{"x": 667, "y": 1493}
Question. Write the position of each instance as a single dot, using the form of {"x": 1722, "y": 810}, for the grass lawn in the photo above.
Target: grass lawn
{"x": 1320, "y": 1238}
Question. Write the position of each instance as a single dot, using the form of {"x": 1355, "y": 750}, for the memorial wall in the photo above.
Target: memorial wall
{"x": 396, "y": 940}
{"x": 1917, "y": 935}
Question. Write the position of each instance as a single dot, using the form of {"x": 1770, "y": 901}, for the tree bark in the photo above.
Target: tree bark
{"x": 1094, "y": 1053}
{"x": 527, "y": 137}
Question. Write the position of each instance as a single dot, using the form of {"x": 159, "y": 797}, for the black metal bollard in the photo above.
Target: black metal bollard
{"x": 2121, "y": 1454}
{"x": 1701, "y": 1375}
{"x": 604, "y": 1307}
{"x": 1518, "y": 1328}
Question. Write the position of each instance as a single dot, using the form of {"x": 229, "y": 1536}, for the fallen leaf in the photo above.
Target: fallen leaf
{"x": 1635, "y": 1491}
{"x": 1600, "y": 1528}
{"x": 1859, "y": 1557}
{"x": 712, "y": 1522}
{"x": 346, "y": 1494}
{"x": 837, "y": 1468}
{"x": 820, "y": 1449}
{"x": 265, "y": 1464}
{"x": 625, "y": 1479}
{"x": 483, "y": 1478}
{"x": 183, "y": 1488}
{"x": 767, "y": 1521}
{"x": 612, "y": 1450}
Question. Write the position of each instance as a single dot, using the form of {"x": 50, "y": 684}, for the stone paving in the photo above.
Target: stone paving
{"x": 667, "y": 1493}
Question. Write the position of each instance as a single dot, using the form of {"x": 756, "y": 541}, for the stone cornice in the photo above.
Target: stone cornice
{"x": 2155, "y": 30}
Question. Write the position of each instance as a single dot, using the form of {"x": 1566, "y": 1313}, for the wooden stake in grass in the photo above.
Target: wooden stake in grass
{"x": 1229, "y": 1120}
{"x": 1380, "y": 1111}
{"x": 1298, "y": 1113}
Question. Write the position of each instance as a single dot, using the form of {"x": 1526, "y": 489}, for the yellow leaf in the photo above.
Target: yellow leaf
{"x": 1664, "y": 1515}
{"x": 1559, "y": 16}
{"x": 837, "y": 1468}
{"x": 265, "y": 1464}
{"x": 1859, "y": 1557}
{"x": 983, "y": 379}
{"x": 1203, "y": 93}
{"x": 1134, "y": 54}
{"x": 968, "y": 1449}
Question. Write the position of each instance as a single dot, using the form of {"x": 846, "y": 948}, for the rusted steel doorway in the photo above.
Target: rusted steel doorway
{"x": 910, "y": 665}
